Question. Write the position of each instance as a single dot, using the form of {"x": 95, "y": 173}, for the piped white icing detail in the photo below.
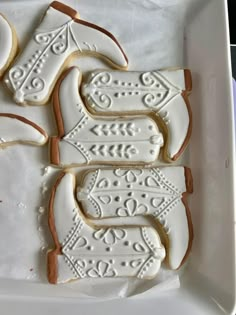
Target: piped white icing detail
{"x": 41, "y": 209}
{"x": 14, "y": 130}
{"x": 6, "y": 42}
{"x": 46, "y": 170}
{"x": 33, "y": 75}
{"x": 130, "y": 192}
{"x": 127, "y": 91}
{"x": 89, "y": 252}
{"x": 44, "y": 188}
{"x": 90, "y": 139}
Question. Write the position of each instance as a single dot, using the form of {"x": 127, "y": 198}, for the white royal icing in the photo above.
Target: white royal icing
{"x": 91, "y": 139}
{"x": 33, "y": 74}
{"x": 14, "y": 130}
{"x": 127, "y": 91}
{"x": 131, "y": 192}
{"x": 6, "y": 41}
{"x": 89, "y": 252}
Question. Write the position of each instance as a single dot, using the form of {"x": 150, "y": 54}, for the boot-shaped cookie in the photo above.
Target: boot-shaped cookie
{"x": 163, "y": 92}
{"x": 16, "y": 129}
{"x": 60, "y": 34}
{"x": 86, "y": 251}
{"x": 84, "y": 139}
{"x": 8, "y": 44}
{"x": 156, "y": 192}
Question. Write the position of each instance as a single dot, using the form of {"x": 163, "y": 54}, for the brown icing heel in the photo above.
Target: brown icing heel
{"x": 188, "y": 80}
{"x": 188, "y": 180}
{"x": 52, "y": 267}
{"x": 54, "y": 150}
{"x": 64, "y": 9}
{"x": 190, "y": 228}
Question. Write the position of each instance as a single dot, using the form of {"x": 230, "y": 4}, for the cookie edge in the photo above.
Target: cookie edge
{"x": 54, "y": 141}
{"x": 52, "y": 265}
{"x": 75, "y": 16}
{"x": 28, "y": 122}
{"x": 189, "y": 190}
{"x": 14, "y": 48}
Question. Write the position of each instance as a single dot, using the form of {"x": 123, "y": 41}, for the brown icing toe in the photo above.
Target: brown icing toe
{"x": 54, "y": 150}
{"x": 188, "y": 80}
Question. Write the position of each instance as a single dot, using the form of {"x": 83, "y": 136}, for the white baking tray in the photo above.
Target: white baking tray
{"x": 155, "y": 34}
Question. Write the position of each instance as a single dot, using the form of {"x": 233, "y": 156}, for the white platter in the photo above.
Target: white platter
{"x": 155, "y": 34}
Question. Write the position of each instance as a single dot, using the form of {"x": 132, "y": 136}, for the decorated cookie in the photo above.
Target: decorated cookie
{"x": 156, "y": 192}
{"x": 8, "y": 44}
{"x": 163, "y": 92}
{"x": 60, "y": 34}
{"x": 85, "y": 251}
{"x": 85, "y": 139}
{"x": 15, "y": 129}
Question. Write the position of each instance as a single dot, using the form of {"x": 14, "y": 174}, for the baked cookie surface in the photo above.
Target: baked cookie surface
{"x": 86, "y": 251}
{"x": 164, "y": 92}
{"x": 85, "y": 139}
{"x": 60, "y": 35}
{"x": 160, "y": 193}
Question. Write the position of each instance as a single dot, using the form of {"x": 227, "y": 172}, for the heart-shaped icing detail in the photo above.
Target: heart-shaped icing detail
{"x": 157, "y": 201}
{"x": 135, "y": 263}
{"x": 102, "y": 270}
{"x": 110, "y": 273}
{"x": 93, "y": 273}
{"x": 80, "y": 242}
{"x": 80, "y": 263}
{"x": 141, "y": 209}
{"x": 131, "y": 208}
{"x": 119, "y": 233}
{"x": 131, "y": 176}
{"x": 139, "y": 247}
{"x": 99, "y": 234}
{"x": 113, "y": 235}
{"x": 131, "y": 204}
{"x": 122, "y": 212}
{"x": 103, "y": 183}
{"x": 109, "y": 236}
{"x": 151, "y": 182}
{"x": 105, "y": 199}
